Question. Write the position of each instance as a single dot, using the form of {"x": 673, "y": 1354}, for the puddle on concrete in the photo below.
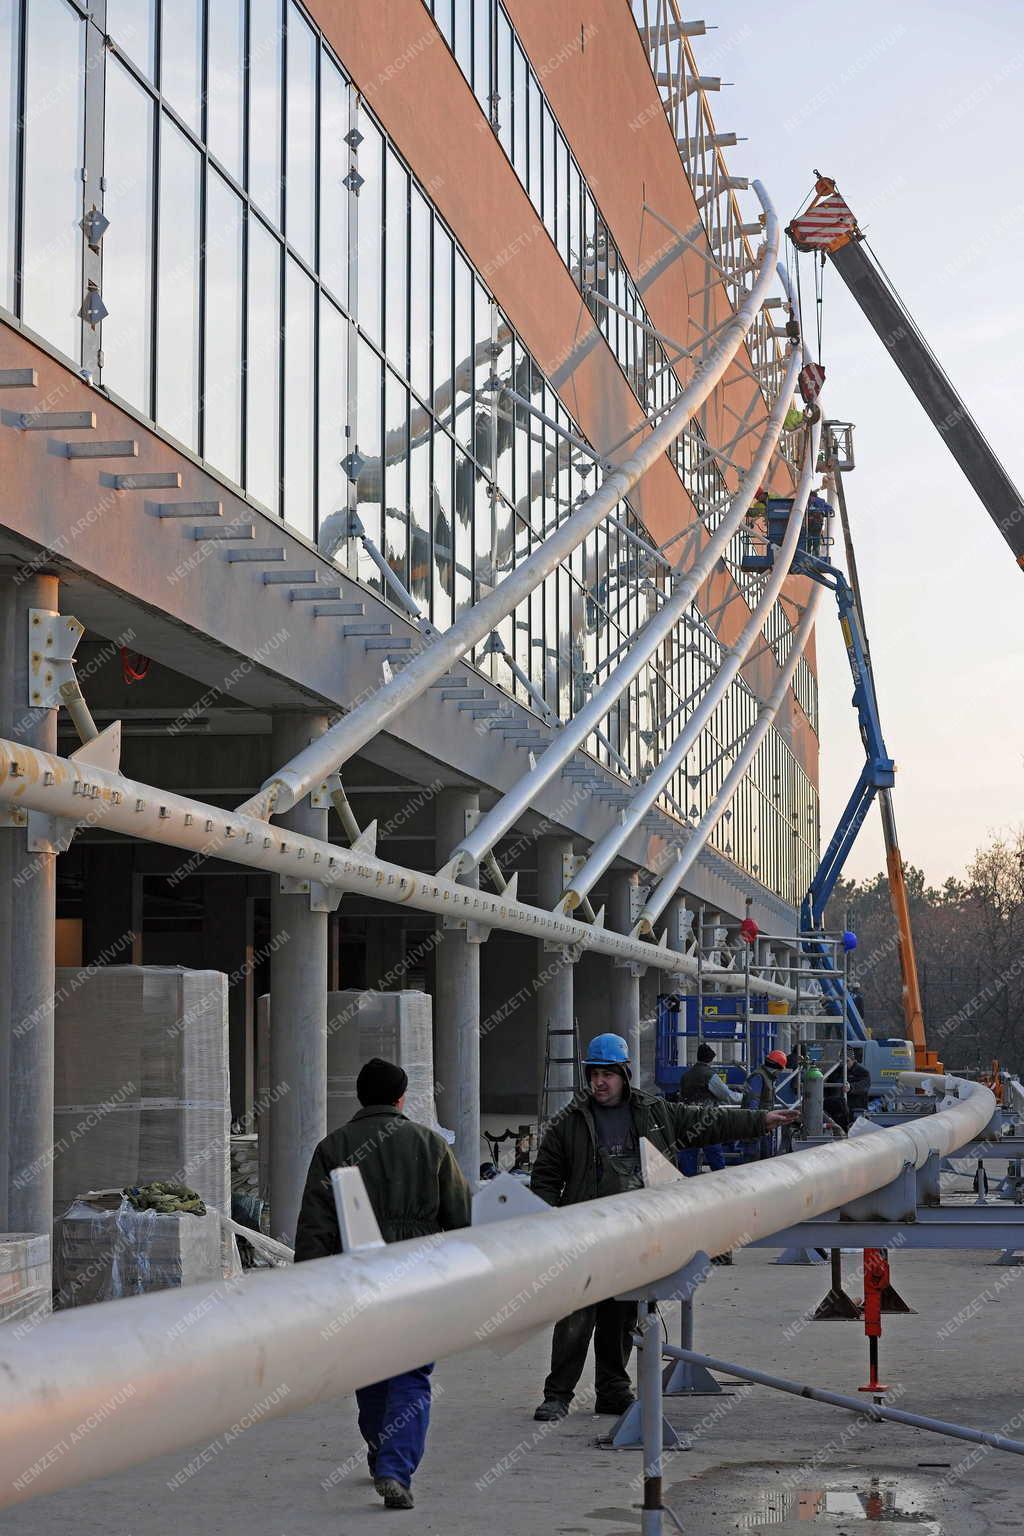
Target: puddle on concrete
{"x": 883, "y": 1501}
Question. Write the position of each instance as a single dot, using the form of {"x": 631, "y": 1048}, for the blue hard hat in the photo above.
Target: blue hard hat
{"x": 607, "y": 1051}
{"x": 849, "y": 941}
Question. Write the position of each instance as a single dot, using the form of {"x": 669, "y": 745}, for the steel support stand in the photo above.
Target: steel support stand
{"x": 836, "y": 1306}
{"x": 28, "y": 885}
{"x": 554, "y": 984}
{"x": 457, "y": 997}
{"x": 684, "y": 1378}
{"x": 298, "y": 1004}
{"x": 624, "y": 979}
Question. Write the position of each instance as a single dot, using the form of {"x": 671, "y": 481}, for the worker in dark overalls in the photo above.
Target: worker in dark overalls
{"x": 701, "y": 1084}
{"x": 759, "y": 1093}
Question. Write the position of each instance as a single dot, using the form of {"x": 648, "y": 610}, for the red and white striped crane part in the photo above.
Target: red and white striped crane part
{"x": 809, "y": 381}
{"x": 824, "y": 225}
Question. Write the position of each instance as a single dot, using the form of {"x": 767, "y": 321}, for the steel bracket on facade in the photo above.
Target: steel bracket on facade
{"x": 52, "y": 639}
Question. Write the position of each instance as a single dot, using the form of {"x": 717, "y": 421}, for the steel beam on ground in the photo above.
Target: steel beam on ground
{"x": 178, "y": 1368}
{"x": 298, "y": 1006}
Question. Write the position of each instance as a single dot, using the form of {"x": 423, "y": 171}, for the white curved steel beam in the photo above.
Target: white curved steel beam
{"x": 324, "y": 756}
{"x": 643, "y": 645}
{"x": 94, "y": 1391}
{"x": 659, "y": 897}
{"x": 641, "y": 801}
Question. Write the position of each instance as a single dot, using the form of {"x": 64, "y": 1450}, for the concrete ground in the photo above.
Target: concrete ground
{"x": 760, "y": 1460}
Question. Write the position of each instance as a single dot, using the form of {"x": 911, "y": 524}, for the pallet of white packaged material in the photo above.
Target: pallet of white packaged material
{"x": 141, "y": 1081}
{"x": 24, "y": 1276}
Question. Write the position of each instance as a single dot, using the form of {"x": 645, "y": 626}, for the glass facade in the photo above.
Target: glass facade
{"x": 285, "y": 301}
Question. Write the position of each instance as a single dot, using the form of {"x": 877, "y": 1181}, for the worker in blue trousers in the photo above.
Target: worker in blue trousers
{"x": 759, "y": 1093}
{"x": 416, "y": 1188}
{"x": 701, "y": 1084}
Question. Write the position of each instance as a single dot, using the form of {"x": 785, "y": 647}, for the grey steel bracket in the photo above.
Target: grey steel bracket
{"x": 893, "y": 1202}
{"x": 322, "y": 898}
{"x": 52, "y": 641}
{"x": 356, "y": 1222}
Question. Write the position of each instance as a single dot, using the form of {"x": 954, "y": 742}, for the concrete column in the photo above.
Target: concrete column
{"x": 28, "y": 885}
{"x": 457, "y": 1001}
{"x": 298, "y": 1006}
{"x": 554, "y": 984}
{"x": 624, "y": 979}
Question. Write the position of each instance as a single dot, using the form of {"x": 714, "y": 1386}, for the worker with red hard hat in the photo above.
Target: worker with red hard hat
{"x": 759, "y": 1093}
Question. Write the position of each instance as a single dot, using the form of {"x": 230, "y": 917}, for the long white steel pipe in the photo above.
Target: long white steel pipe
{"x": 76, "y": 791}
{"x": 655, "y": 632}
{"x": 323, "y": 757}
{"x": 96, "y": 1390}
{"x": 661, "y": 895}
{"x": 604, "y": 851}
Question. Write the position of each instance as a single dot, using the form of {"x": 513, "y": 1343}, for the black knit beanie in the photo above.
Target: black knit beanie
{"x": 380, "y": 1082}
{"x": 705, "y": 1053}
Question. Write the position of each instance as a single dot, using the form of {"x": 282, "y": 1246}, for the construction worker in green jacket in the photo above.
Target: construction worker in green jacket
{"x": 416, "y": 1188}
{"x": 592, "y": 1149}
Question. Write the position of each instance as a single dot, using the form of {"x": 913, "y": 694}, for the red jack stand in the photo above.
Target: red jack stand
{"x": 876, "y": 1278}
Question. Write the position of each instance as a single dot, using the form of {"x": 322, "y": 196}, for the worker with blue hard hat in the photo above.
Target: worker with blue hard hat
{"x": 592, "y": 1149}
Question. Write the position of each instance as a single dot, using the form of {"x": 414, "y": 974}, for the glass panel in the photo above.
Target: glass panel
{"x": 549, "y": 170}
{"x": 128, "y": 245}
{"x": 262, "y": 366}
{"x": 368, "y": 441}
{"x": 334, "y": 445}
{"x": 519, "y": 89}
{"x": 132, "y": 25}
{"x": 52, "y": 256}
{"x": 504, "y": 82}
{"x": 464, "y": 492}
{"x": 177, "y": 344}
{"x": 462, "y": 45}
{"x": 562, "y": 195}
{"x": 222, "y": 398}
{"x": 396, "y": 299}
{"x": 443, "y": 17}
{"x": 419, "y": 507}
{"x": 574, "y": 219}
{"x": 370, "y": 215}
{"x": 482, "y": 55}
{"x": 443, "y": 382}
{"x": 181, "y": 59}
{"x": 396, "y": 486}
{"x": 334, "y": 196}
{"x": 533, "y": 105}
{"x": 463, "y": 351}
{"x": 300, "y": 137}
{"x": 265, "y": 106}
{"x": 441, "y": 527}
{"x": 8, "y": 149}
{"x": 225, "y": 102}
{"x": 299, "y": 300}
{"x": 419, "y": 295}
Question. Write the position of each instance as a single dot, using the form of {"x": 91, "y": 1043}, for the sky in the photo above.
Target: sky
{"x": 917, "y": 111}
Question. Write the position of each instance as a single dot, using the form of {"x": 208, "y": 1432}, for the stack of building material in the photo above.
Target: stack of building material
{"x": 24, "y": 1276}
{"x": 104, "y": 1249}
{"x": 141, "y": 1081}
{"x": 395, "y": 1025}
{"x": 245, "y": 1173}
